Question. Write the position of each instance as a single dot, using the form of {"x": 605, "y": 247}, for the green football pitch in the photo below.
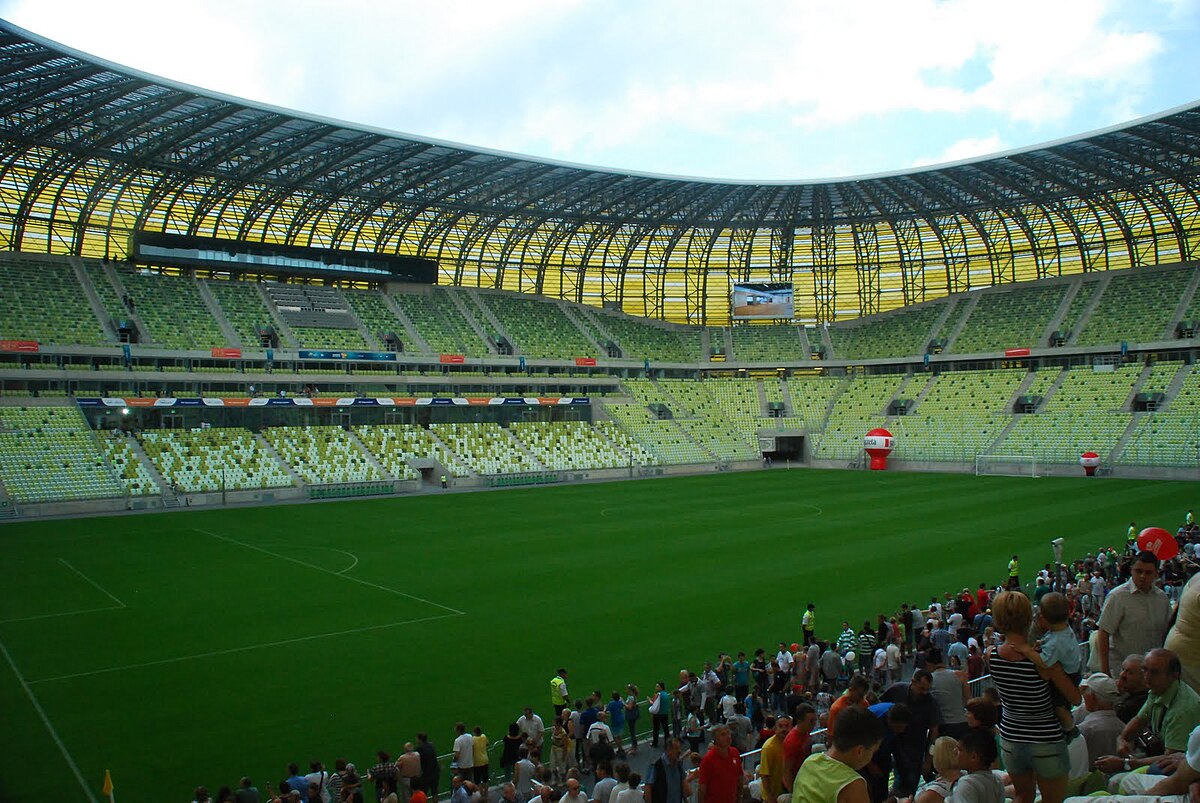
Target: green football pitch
{"x": 200, "y": 645}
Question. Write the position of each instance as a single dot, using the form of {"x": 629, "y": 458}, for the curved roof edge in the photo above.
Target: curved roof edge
{"x": 538, "y": 160}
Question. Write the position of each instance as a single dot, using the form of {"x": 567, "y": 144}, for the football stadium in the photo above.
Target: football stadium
{"x": 314, "y": 436}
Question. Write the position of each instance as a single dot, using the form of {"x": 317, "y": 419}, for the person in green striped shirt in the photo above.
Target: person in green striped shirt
{"x": 845, "y": 641}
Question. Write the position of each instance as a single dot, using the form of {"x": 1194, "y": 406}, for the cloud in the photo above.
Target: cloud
{"x": 670, "y": 80}
{"x": 966, "y": 148}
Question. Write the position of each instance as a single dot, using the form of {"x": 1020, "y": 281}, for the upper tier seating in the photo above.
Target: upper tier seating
{"x": 319, "y": 317}
{"x": 539, "y": 329}
{"x": 440, "y": 323}
{"x": 1016, "y": 318}
{"x": 901, "y": 333}
{"x": 767, "y": 343}
{"x": 322, "y": 455}
{"x": 1079, "y": 302}
{"x": 394, "y": 445}
{"x": 214, "y": 458}
{"x": 42, "y": 301}
{"x": 104, "y": 289}
{"x": 646, "y": 341}
{"x": 49, "y": 454}
{"x": 378, "y": 317}
{"x": 245, "y": 308}
{"x": 173, "y": 311}
{"x": 1136, "y": 307}
{"x": 486, "y": 448}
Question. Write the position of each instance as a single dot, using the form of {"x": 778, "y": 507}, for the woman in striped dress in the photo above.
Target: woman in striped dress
{"x": 1034, "y": 747}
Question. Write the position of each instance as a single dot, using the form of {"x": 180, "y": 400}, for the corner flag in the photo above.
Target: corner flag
{"x": 107, "y": 790}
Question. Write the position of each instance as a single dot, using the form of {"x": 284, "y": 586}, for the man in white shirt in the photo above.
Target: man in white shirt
{"x": 464, "y": 751}
{"x": 599, "y": 729}
{"x": 531, "y": 727}
{"x": 783, "y": 658}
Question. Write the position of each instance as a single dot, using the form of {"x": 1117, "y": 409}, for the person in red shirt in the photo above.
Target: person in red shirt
{"x": 798, "y": 744}
{"x": 856, "y": 695}
{"x": 721, "y": 776}
{"x": 982, "y": 598}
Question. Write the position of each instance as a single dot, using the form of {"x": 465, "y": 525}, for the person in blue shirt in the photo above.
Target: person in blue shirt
{"x": 741, "y": 676}
{"x": 895, "y": 717}
{"x": 616, "y": 720}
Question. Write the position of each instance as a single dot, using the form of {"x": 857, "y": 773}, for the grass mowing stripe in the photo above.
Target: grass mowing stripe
{"x": 454, "y": 611}
{"x": 246, "y": 648}
{"x": 41, "y": 712}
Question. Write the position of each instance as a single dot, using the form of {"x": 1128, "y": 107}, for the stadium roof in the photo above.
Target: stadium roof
{"x": 90, "y": 151}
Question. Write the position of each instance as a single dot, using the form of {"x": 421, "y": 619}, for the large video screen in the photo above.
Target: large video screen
{"x": 759, "y": 300}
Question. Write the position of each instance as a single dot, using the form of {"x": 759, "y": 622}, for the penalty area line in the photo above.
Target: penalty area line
{"x": 366, "y": 583}
{"x": 246, "y": 648}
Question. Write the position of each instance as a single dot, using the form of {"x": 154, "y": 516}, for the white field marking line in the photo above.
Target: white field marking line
{"x": 119, "y": 606}
{"x": 64, "y": 613}
{"x": 246, "y": 648}
{"x": 329, "y": 549}
{"x": 820, "y": 511}
{"x": 94, "y": 584}
{"x": 366, "y": 583}
{"x": 49, "y": 726}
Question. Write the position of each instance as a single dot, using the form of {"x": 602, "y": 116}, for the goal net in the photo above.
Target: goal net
{"x": 1005, "y": 465}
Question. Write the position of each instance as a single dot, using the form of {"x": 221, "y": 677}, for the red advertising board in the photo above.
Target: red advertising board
{"x": 585, "y": 360}
{"x": 452, "y": 358}
{"x": 227, "y": 354}
{"x": 18, "y": 345}
{"x": 1016, "y": 352}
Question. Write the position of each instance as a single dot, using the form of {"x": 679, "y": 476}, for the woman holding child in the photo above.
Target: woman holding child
{"x": 1031, "y": 735}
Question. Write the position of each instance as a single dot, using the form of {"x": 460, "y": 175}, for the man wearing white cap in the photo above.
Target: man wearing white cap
{"x": 1101, "y": 727}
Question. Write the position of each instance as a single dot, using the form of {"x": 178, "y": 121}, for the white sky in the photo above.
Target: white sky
{"x": 749, "y": 90}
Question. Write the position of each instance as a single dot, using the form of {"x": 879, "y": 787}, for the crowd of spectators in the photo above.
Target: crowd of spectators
{"x": 880, "y": 713}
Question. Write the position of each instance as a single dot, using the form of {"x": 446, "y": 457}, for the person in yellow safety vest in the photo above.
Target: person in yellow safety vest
{"x": 1014, "y": 573}
{"x": 444, "y": 483}
{"x": 1131, "y": 538}
{"x": 559, "y": 697}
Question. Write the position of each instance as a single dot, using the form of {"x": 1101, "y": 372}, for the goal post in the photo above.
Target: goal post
{"x": 1005, "y": 465}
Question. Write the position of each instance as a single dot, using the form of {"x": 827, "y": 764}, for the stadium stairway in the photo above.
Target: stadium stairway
{"x": 473, "y": 313}
{"x": 1184, "y": 303}
{"x": 594, "y": 323}
{"x": 1021, "y": 390}
{"x": 271, "y": 450}
{"x": 523, "y": 449}
{"x": 89, "y": 292}
{"x": 1177, "y": 382}
{"x": 115, "y": 280}
{"x": 462, "y": 462}
{"x": 410, "y": 329}
{"x": 489, "y": 319}
{"x": 218, "y": 314}
{"x": 135, "y": 446}
{"x": 805, "y": 343}
{"x": 971, "y": 302}
{"x": 570, "y": 314}
{"x": 287, "y": 338}
{"x": 763, "y": 411}
{"x": 1060, "y": 314}
{"x": 1093, "y": 302}
{"x": 370, "y": 457}
{"x": 947, "y": 311}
